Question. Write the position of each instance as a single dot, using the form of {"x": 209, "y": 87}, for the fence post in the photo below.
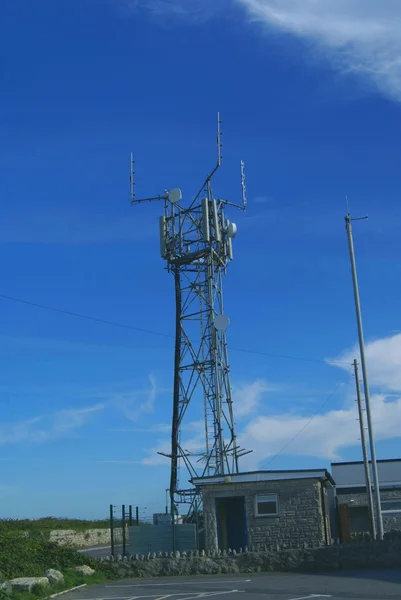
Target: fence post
{"x": 123, "y": 526}
{"x": 111, "y": 530}
{"x": 130, "y": 515}
{"x": 197, "y": 525}
{"x": 173, "y": 526}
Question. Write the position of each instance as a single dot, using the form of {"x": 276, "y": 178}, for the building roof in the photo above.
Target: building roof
{"x": 360, "y": 462}
{"x": 254, "y": 476}
{"x": 352, "y": 474}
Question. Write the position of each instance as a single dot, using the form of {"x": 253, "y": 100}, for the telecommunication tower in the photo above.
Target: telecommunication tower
{"x": 196, "y": 241}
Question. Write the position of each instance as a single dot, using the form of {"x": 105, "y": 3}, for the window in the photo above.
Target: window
{"x": 266, "y": 506}
{"x": 391, "y": 505}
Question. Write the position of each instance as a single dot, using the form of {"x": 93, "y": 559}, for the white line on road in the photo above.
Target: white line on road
{"x": 207, "y": 594}
{"x": 311, "y": 596}
{"x": 99, "y": 548}
{"x": 196, "y": 596}
{"x": 180, "y": 583}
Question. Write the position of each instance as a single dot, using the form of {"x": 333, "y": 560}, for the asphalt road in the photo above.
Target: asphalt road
{"x": 380, "y": 585}
{"x": 99, "y": 551}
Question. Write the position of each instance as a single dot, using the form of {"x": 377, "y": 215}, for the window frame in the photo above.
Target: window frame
{"x": 265, "y": 515}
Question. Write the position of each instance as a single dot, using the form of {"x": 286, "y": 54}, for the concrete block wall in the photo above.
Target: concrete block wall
{"x": 300, "y": 521}
{"x": 85, "y": 539}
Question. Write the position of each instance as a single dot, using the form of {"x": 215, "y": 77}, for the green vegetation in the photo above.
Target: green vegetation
{"x": 49, "y": 523}
{"x": 27, "y": 552}
{"x": 71, "y": 579}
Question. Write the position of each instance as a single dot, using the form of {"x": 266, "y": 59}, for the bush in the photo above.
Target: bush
{"x": 30, "y": 555}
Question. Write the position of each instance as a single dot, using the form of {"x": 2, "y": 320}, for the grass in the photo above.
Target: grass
{"x": 30, "y": 555}
{"x": 48, "y": 524}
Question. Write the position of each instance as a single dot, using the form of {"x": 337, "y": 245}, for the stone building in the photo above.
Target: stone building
{"x": 289, "y": 509}
{"x": 352, "y": 497}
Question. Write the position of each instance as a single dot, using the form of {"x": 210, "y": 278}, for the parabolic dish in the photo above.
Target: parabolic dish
{"x": 221, "y": 322}
{"x": 231, "y": 230}
{"x": 175, "y": 195}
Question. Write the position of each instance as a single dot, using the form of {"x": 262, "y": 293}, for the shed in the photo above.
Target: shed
{"x": 353, "y": 500}
{"x": 267, "y": 509}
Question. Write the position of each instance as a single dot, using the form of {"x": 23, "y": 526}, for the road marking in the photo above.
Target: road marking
{"x": 98, "y": 548}
{"x": 180, "y": 583}
{"x": 197, "y": 596}
{"x": 207, "y": 594}
{"x": 312, "y": 596}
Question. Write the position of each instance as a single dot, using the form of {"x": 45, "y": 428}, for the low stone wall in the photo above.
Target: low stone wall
{"x": 363, "y": 555}
{"x": 85, "y": 539}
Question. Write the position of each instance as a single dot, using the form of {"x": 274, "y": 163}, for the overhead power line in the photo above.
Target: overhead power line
{"x": 86, "y": 317}
{"x": 329, "y": 397}
{"x": 111, "y": 323}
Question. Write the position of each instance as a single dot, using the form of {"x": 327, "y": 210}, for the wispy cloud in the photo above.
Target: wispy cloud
{"x": 247, "y": 397}
{"x": 322, "y": 435}
{"x": 359, "y": 37}
{"x": 63, "y": 423}
{"x": 135, "y": 403}
{"x": 325, "y": 436}
{"x": 193, "y": 11}
{"x": 384, "y": 361}
{"x": 157, "y": 428}
{"x": 247, "y": 400}
{"x": 118, "y": 462}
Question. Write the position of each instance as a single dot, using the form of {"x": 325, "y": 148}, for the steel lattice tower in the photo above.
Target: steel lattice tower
{"x": 196, "y": 242}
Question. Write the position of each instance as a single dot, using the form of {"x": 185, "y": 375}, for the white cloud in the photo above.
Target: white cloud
{"x": 192, "y": 440}
{"x": 157, "y": 428}
{"x": 327, "y": 434}
{"x": 358, "y": 36}
{"x": 194, "y": 11}
{"x": 45, "y": 428}
{"x": 246, "y": 398}
{"x": 383, "y": 357}
{"x": 137, "y": 402}
{"x": 323, "y": 436}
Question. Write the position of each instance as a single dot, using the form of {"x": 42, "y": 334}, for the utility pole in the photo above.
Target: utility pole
{"x": 379, "y": 519}
{"x": 365, "y": 452}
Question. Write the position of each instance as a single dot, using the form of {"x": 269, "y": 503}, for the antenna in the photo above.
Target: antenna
{"x": 243, "y": 186}
{"x": 196, "y": 241}
{"x": 132, "y": 179}
{"x": 219, "y": 143}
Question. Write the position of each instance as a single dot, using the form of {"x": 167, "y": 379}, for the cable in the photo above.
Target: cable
{"x": 287, "y": 357}
{"x": 329, "y": 397}
{"x": 158, "y": 333}
{"x": 86, "y": 317}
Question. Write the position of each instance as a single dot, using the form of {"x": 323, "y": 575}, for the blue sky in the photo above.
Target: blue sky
{"x": 309, "y": 93}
